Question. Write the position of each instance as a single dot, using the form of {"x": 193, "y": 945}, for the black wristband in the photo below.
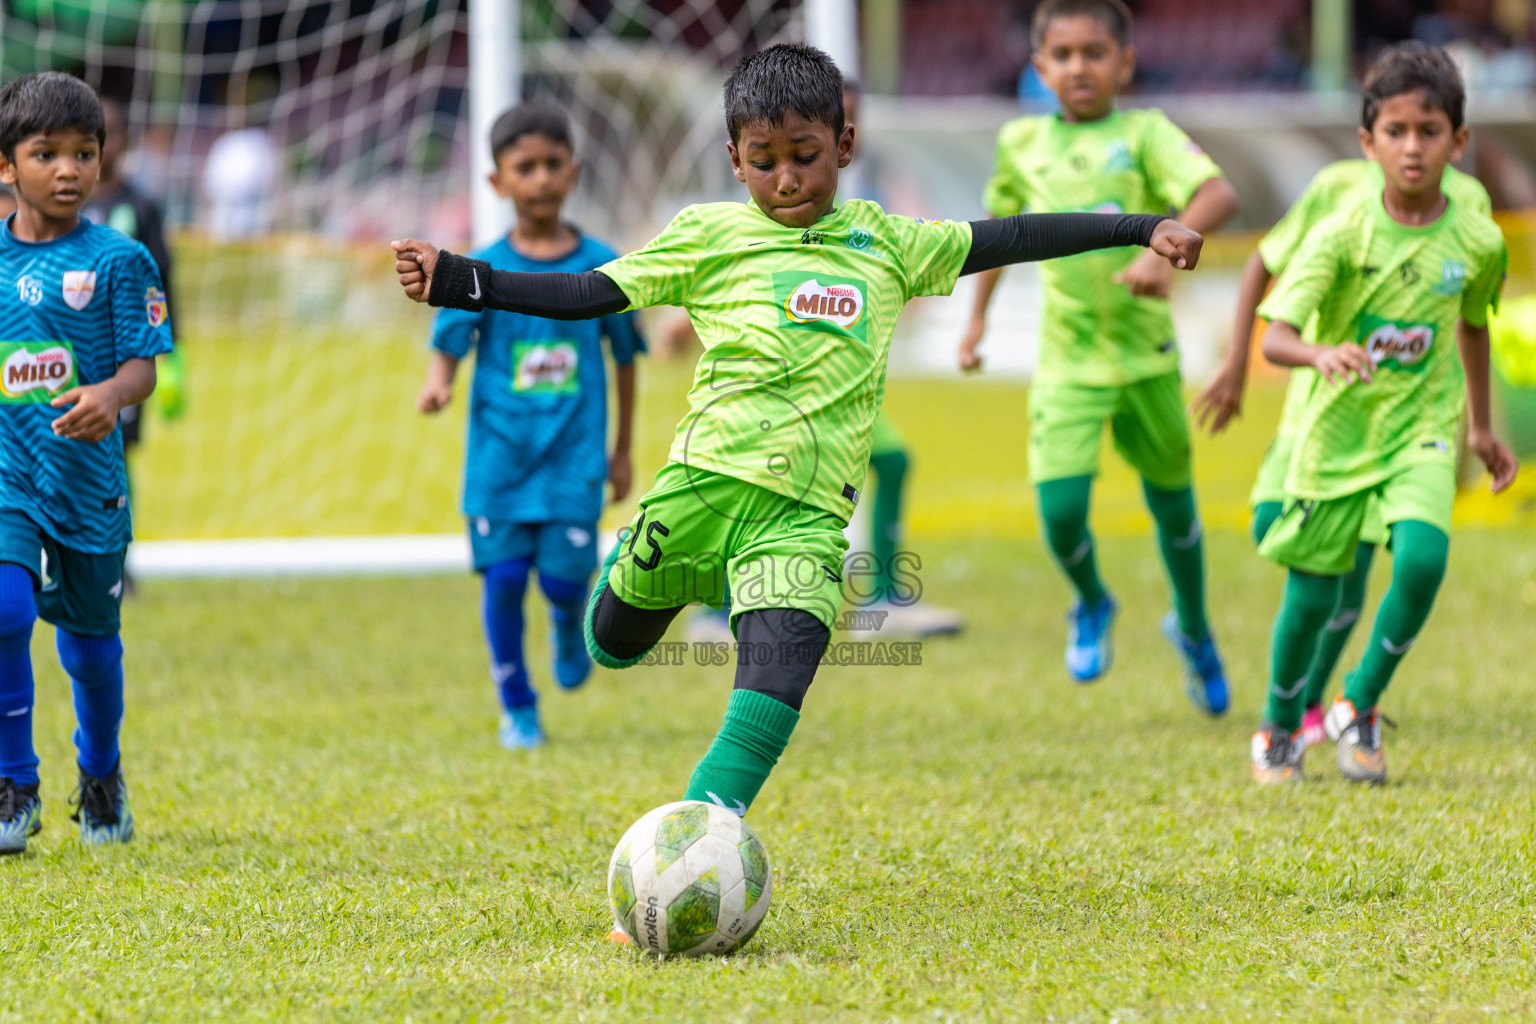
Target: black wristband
{"x": 458, "y": 282}
{"x": 1143, "y": 224}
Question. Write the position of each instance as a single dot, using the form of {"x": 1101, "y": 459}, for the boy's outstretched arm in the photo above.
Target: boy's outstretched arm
{"x": 1473, "y": 342}
{"x": 1214, "y": 203}
{"x": 1222, "y": 398}
{"x": 440, "y": 278}
{"x": 1027, "y": 237}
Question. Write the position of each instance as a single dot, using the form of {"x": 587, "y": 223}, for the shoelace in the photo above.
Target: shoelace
{"x": 1281, "y": 748}
{"x": 1369, "y": 727}
{"x": 96, "y": 798}
{"x": 7, "y": 799}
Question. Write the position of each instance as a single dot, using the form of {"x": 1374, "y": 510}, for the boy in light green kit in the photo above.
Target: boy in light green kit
{"x": 1337, "y": 186}
{"x": 1107, "y": 347}
{"x": 1391, "y": 279}
{"x": 795, "y": 297}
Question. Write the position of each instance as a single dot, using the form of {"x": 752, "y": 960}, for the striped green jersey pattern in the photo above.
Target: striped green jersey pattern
{"x": 1094, "y": 331}
{"x": 1335, "y": 188}
{"x": 796, "y": 325}
{"x": 1398, "y": 292}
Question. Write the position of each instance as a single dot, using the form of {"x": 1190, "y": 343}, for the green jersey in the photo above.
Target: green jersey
{"x": 1340, "y": 185}
{"x": 1397, "y": 291}
{"x": 796, "y": 325}
{"x": 1095, "y": 331}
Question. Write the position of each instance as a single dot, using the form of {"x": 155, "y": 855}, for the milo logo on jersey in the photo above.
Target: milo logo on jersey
{"x": 1396, "y": 345}
{"x": 35, "y": 371}
{"x": 545, "y": 368}
{"x": 821, "y": 302}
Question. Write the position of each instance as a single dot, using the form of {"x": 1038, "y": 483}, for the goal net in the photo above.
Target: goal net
{"x": 289, "y": 140}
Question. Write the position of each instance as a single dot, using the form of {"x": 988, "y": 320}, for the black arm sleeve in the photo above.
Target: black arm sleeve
{"x": 1027, "y": 237}
{"x": 462, "y": 283}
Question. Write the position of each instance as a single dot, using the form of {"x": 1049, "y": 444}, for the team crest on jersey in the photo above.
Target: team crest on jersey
{"x": 1396, "y": 345}
{"x": 79, "y": 286}
{"x": 542, "y": 367}
{"x": 35, "y": 371}
{"x": 154, "y": 306}
{"x": 1117, "y": 157}
{"x": 1453, "y": 278}
{"x": 821, "y": 302}
{"x": 28, "y": 290}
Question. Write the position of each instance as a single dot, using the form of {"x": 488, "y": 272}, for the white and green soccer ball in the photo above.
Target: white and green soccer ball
{"x": 689, "y": 879}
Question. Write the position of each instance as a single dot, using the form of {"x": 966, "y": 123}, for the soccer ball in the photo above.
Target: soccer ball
{"x": 688, "y": 879}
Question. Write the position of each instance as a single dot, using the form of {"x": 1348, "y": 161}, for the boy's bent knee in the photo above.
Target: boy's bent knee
{"x": 18, "y": 608}
{"x": 624, "y": 631}
{"x": 778, "y": 651}
{"x": 562, "y": 592}
{"x": 89, "y": 658}
{"x": 513, "y": 573}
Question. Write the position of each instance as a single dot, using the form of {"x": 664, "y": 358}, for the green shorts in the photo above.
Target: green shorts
{"x": 1320, "y": 536}
{"x": 77, "y": 591}
{"x": 1269, "y": 488}
{"x": 1146, "y": 419}
{"x": 886, "y": 438}
{"x": 696, "y": 528}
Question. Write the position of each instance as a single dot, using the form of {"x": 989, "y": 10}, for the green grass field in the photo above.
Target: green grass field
{"x": 328, "y": 830}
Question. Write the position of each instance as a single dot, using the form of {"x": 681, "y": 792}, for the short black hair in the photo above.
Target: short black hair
{"x": 535, "y": 117}
{"x": 46, "y": 102}
{"x": 1409, "y": 67}
{"x": 769, "y": 84}
{"x": 1112, "y": 14}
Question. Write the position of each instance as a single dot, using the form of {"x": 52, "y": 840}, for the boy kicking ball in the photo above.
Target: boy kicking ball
{"x": 535, "y": 463}
{"x": 1399, "y": 283}
{"x": 795, "y": 298}
{"x": 83, "y": 315}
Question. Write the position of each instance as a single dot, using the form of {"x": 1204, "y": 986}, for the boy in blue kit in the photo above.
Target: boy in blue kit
{"x": 535, "y": 466}
{"x": 82, "y": 318}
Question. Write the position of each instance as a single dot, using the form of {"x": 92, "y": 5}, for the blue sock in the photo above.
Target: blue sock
{"x": 18, "y": 761}
{"x": 505, "y": 583}
{"x": 95, "y": 667}
{"x": 567, "y": 602}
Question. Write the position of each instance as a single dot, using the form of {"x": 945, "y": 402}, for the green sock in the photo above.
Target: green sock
{"x": 1341, "y": 624}
{"x": 1419, "y": 553}
{"x": 1264, "y": 515}
{"x": 1309, "y": 600}
{"x": 885, "y": 515}
{"x": 1064, "y": 513}
{"x": 1178, "y": 537}
{"x": 755, "y": 731}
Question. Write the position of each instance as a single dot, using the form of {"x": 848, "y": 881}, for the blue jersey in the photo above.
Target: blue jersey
{"x": 71, "y": 312}
{"x": 538, "y": 407}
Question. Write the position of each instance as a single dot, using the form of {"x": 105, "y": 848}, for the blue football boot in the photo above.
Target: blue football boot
{"x": 101, "y": 808}
{"x": 1090, "y": 636}
{"x": 21, "y": 815}
{"x": 1205, "y": 680}
{"x": 520, "y": 729}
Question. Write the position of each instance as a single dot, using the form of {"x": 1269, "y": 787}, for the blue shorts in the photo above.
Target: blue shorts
{"x": 76, "y": 590}
{"x": 563, "y": 551}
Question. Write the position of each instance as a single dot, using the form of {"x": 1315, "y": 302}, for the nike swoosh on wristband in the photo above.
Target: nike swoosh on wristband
{"x": 476, "y": 275}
